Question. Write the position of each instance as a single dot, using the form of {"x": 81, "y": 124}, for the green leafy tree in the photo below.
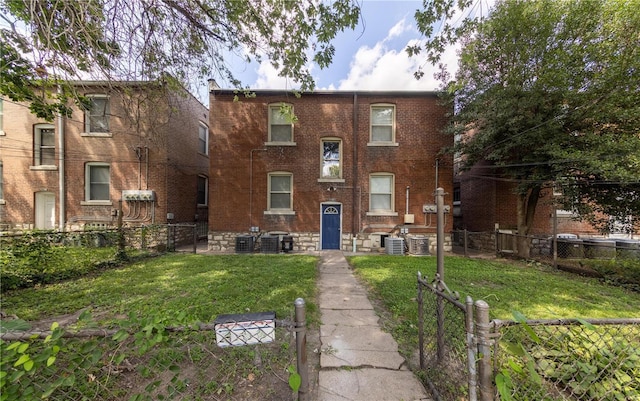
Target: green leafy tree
{"x": 47, "y": 43}
{"x": 548, "y": 92}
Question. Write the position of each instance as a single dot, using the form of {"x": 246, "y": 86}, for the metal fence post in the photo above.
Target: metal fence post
{"x": 484, "y": 350}
{"x": 420, "y": 321}
{"x": 471, "y": 350}
{"x": 466, "y": 243}
{"x": 301, "y": 349}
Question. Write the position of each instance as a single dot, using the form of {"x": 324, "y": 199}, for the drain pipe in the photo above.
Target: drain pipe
{"x": 251, "y": 185}
{"x": 406, "y": 210}
{"x": 61, "y": 172}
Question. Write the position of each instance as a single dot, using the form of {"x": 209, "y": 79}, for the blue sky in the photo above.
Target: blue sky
{"x": 371, "y": 57}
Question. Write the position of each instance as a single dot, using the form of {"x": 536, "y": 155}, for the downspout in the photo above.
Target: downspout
{"x": 61, "y": 170}
{"x": 251, "y": 184}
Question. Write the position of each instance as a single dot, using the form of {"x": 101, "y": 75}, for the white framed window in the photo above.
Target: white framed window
{"x": 203, "y": 186}
{"x": 96, "y": 117}
{"x": 382, "y": 124}
{"x": 280, "y": 192}
{"x": 97, "y": 182}
{"x": 203, "y": 139}
{"x": 1, "y": 184}
{"x": 281, "y": 119}
{"x": 381, "y": 194}
{"x": 1, "y": 117}
{"x": 331, "y": 159}
{"x": 44, "y": 145}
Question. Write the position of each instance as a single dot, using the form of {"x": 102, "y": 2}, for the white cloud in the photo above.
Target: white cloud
{"x": 399, "y": 28}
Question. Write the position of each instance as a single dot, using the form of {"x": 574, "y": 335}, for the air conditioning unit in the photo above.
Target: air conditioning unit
{"x": 269, "y": 244}
{"x": 394, "y": 246}
{"x": 244, "y": 244}
{"x": 419, "y": 245}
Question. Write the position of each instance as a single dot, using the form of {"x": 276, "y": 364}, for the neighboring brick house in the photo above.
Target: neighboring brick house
{"x": 485, "y": 201}
{"x": 351, "y": 168}
{"x": 139, "y": 142}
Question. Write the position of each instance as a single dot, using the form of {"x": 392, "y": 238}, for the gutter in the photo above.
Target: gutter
{"x": 61, "y": 171}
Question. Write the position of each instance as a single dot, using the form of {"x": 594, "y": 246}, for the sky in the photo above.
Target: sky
{"x": 371, "y": 57}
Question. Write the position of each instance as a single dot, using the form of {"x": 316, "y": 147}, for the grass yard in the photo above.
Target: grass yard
{"x": 152, "y": 363}
{"x": 202, "y": 286}
{"x": 537, "y": 291}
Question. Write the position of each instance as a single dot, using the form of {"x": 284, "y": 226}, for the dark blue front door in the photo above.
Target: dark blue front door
{"x": 331, "y": 226}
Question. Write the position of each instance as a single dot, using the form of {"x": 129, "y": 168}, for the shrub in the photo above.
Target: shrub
{"x": 621, "y": 272}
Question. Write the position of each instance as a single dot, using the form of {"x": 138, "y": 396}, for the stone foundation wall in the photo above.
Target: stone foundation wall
{"x": 307, "y": 242}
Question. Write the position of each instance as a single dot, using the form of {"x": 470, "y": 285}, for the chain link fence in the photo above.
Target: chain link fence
{"x": 568, "y": 359}
{"x": 146, "y": 359}
{"x": 466, "y": 356}
{"x": 443, "y": 340}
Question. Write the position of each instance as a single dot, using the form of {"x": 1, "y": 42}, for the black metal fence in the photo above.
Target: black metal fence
{"x": 466, "y": 356}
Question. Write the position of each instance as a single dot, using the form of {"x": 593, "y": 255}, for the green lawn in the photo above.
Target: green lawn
{"x": 537, "y": 291}
{"x": 202, "y": 286}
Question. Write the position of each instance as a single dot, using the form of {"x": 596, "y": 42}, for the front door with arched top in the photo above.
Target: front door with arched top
{"x": 330, "y": 227}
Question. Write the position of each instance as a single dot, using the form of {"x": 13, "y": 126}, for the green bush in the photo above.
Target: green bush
{"x": 42, "y": 258}
{"x": 621, "y": 272}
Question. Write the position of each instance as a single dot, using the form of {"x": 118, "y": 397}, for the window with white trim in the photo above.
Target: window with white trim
{"x": 96, "y": 117}
{"x": 331, "y": 154}
{"x": 280, "y": 192}
{"x": 97, "y": 182}
{"x": 383, "y": 124}
{"x": 381, "y": 194}
{"x": 203, "y": 139}
{"x": 1, "y": 183}
{"x": 203, "y": 185}
{"x": 1, "y": 116}
{"x": 281, "y": 123}
{"x": 44, "y": 145}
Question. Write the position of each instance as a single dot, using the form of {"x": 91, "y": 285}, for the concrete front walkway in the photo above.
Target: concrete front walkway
{"x": 358, "y": 360}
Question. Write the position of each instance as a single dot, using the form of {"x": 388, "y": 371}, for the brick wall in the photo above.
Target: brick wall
{"x": 151, "y": 145}
{"x": 238, "y": 190}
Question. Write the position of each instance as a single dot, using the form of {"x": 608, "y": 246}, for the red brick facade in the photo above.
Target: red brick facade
{"x": 151, "y": 144}
{"x": 244, "y": 157}
{"x": 487, "y": 200}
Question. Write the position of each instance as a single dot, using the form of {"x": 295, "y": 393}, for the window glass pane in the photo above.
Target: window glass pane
{"x": 47, "y": 137}
{"x": 99, "y": 183}
{"x": 280, "y": 201}
{"x": 279, "y": 118}
{"x": 382, "y": 115}
{"x": 381, "y": 133}
{"x": 47, "y": 156}
{"x": 331, "y": 159}
{"x": 381, "y": 185}
{"x": 202, "y": 137}
{"x": 99, "y": 115}
{"x": 380, "y": 202}
{"x": 280, "y": 183}
{"x": 281, "y": 133}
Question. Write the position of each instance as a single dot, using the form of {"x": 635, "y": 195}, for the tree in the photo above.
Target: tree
{"x": 549, "y": 93}
{"x": 48, "y": 43}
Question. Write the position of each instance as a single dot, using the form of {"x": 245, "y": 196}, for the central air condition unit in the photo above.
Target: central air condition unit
{"x": 419, "y": 245}
{"x": 244, "y": 244}
{"x": 394, "y": 246}
{"x": 269, "y": 244}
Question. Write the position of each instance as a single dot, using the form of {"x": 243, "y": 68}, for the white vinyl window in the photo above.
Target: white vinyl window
{"x": 97, "y": 182}
{"x": 280, "y": 191}
{"x": 381, "y": 194}
{"x": 1, "y": 117}
{"x": 1, "y": 183}
{"x": 203, "y": 139}
{"x": 96, "y": 117}
{"x": 281, "y": 123}
{"x": 331, "y": 154}
{"x": 383, "y": 124}
{"x": 44, "y": 145}
{"x": 203, "y": 185}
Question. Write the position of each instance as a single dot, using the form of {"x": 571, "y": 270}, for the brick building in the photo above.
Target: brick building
{"x": 334, "y": 170}
{"x": 139, "y": 142}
